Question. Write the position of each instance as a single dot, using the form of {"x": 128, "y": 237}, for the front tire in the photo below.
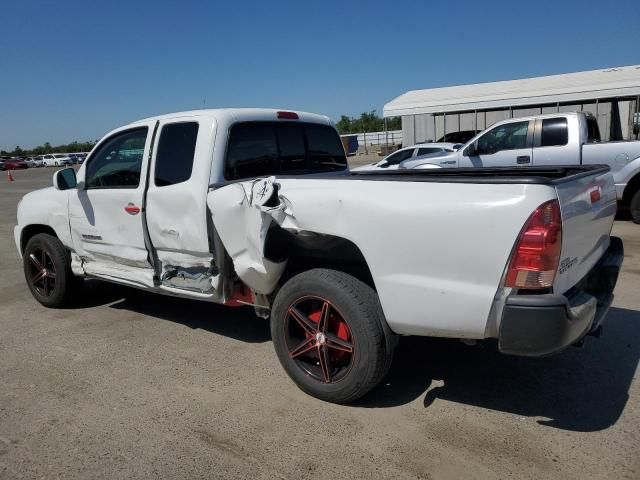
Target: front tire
{"x": 634, "y": 207}
{"x": 47, "y": 270}
{"x": 329, "y": 334}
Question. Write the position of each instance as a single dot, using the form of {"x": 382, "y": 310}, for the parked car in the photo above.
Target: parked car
{"x": 2, "y": 167}
{"x": 32, "y": 162}
{"x": 14, "y": 164}
{"x": 76, "y": 158}
{"x": 554, "y": 139}
{"x": 56, "y": 160}
{"x": 268, "y": 215}
{"x": 79, "y": 158}
{"x": 391, "y": 162}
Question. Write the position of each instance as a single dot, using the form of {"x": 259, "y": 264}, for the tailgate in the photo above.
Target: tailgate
{"x": 588, "y": 207}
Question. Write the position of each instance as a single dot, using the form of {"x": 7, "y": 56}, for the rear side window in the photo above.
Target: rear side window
{"x": 176, "y": 147}
{"x": 398, "y": 157}
{"x": 275, "y": 148}
{"x": 554, "y": 132}
{"x": 426, "y": 151}
{"x": 593, "y": 131}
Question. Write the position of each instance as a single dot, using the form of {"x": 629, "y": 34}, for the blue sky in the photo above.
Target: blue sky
{"x": 72, "y": 70}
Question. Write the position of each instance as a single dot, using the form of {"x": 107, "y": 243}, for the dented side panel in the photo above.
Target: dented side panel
{"x": 436, "y": 251}
{"x": 242, "y": 221}
{"x": 176, "y": 214}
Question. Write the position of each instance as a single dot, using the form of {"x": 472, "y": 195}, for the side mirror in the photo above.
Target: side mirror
{"x": 65, "y": 179}
{"x": 471, "y": 150}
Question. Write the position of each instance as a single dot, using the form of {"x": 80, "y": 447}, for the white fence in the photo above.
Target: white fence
{"x": 377, "y": 138}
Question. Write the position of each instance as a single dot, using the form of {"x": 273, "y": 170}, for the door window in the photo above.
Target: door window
{"x": 176, "y": 147}
{"x": 510, "y": 136}
{"x": 554, "y": 132}
{"x": 117, "y": 161}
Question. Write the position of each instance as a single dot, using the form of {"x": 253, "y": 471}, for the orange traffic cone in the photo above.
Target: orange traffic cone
{"x": 9, "y": 176}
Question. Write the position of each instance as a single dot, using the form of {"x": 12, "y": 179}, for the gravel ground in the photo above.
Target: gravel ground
{"x": 130, "y": 385}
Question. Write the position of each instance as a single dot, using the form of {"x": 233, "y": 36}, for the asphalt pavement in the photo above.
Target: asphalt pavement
{"x": 131, "y": 385}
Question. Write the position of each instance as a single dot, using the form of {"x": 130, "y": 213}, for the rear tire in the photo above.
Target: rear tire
{"x": 330, "y": 335}
{"x": 634, "y": 207}
{"x": 47, "y": 270}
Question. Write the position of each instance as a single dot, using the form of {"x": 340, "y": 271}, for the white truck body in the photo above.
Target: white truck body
{"x": 574, "y": 140}
{"x": 434, "y": 245}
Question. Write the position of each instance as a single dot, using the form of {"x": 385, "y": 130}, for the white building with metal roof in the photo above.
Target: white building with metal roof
{"x": 612, "y": 95}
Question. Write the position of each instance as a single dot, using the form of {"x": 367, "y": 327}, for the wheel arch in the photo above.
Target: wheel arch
{"x": 308, "y": 250}
{"x": 632, "y": 187}
{"x": 29, "y": 231}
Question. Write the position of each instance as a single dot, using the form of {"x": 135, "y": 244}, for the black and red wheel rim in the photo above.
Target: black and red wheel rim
{"x": 318, "y": 339}
{"x": 42, "y": 272}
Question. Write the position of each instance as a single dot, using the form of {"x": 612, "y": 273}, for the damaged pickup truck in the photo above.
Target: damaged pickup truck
{"x": 257, "y": 207}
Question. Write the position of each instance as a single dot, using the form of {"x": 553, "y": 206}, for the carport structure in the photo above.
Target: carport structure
{"x": 612, "y": 95}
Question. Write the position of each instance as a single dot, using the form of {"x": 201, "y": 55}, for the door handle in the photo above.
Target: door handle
{"x": 523, "y": 159}
{"x": 132, "y": 209}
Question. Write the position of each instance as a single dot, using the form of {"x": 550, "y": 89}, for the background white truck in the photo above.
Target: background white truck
{"x": 257, "y": 207}
{"x": 554, "y": 139}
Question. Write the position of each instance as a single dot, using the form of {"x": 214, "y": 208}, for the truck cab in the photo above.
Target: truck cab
{"x": 138, "y": 214}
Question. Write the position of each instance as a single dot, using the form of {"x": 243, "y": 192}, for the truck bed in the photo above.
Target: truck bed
{"x": 548, "y": 175}
{"x": 436, "y": 242}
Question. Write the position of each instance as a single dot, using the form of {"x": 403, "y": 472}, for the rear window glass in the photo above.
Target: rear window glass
{"x": 554, "y": 132}
{"x": 271, "y": 148}
{"x": 176, "y": 147}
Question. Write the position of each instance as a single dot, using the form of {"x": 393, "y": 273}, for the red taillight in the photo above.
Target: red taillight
{"x": 535, "y": 260}
{"x": 288, "y": 115}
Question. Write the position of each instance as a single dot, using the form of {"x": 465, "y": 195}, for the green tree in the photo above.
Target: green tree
{"x": 367, "y": 122}
{"x": 344, "y": 124}
{"x": 72, "y": 147}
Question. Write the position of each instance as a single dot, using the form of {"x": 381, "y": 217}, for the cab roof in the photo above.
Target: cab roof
{"x": 233, "y": 115}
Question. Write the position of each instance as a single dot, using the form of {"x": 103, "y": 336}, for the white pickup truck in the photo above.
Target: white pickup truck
{"x": 257, "y": 207}
{"x": 553, "y": 139}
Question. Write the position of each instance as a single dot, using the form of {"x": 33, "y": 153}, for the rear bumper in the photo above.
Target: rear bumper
{"x": 536, "y": 325}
